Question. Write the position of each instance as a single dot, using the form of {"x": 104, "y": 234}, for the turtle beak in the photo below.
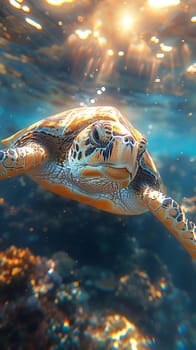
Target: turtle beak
{"x": 124, "y": 155}
{"x": 118, "y": 161}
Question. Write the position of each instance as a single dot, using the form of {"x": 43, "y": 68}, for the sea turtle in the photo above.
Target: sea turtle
{"x": 94, "y": 155}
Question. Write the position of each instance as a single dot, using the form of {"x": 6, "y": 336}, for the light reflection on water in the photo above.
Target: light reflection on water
{"x": 59, "y": 55}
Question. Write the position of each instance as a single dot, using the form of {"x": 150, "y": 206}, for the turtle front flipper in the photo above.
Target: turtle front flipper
{"x": 169, "y": 212}
{"x": 19, "y": 160}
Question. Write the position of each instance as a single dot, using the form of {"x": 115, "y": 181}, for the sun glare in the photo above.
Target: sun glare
{"x": 83, "y": 34}
{"x": 58, "y": 2}
{"x": 163, "y": 3}
{"x": 126, "y": 21}
{"x": 33, "y": 23}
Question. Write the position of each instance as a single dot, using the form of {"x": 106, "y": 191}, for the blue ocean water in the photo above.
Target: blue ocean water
{"x": 120, "y": 282}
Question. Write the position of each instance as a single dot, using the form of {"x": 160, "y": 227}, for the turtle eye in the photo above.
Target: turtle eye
{"x": 96, "y": 135}
{"x": 99, "y": 136}
{"x": 142, "y": 146}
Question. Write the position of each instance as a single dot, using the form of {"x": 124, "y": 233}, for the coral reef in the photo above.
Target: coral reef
{"x": 16, "y": 268}
{"x": 44, "y": 306}
{"x": 113, "y": 331}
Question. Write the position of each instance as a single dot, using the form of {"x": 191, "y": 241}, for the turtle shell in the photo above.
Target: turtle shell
{"x": 71, "y": 122}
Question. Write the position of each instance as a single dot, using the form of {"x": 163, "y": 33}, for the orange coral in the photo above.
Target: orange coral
{"x": 16, "y": 268}
{"x": 16, "y": 263}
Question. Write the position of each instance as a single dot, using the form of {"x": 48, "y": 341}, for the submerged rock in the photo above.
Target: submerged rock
{"x": 141, "y": 310}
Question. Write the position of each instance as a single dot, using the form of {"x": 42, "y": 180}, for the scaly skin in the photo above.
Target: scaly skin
{"x": 19, "y": 160}
{"x": 169, "y": 212}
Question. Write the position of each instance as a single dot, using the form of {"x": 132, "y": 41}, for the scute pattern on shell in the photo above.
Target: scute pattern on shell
{"x": 71, "y": 121}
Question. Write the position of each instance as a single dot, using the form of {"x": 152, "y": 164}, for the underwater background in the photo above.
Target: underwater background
{"x": 73, "y": 277}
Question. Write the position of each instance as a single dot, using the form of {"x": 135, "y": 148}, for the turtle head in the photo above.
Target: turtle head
{"x": 107, "y": 151}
